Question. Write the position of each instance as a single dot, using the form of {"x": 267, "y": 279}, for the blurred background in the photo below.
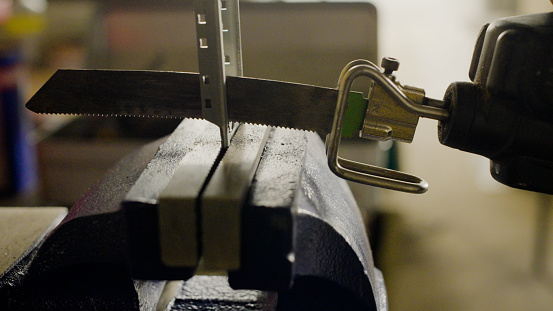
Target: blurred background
{"x": 469, "y": 243}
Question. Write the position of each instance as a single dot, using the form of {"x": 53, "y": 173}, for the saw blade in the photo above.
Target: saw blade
{"x": 177, "y": 95}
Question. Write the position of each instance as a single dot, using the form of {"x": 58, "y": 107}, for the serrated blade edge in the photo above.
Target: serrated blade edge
{"x": 177, "y": 95}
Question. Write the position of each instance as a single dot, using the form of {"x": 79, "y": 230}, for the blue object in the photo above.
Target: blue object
{"x": 20, "y": 168}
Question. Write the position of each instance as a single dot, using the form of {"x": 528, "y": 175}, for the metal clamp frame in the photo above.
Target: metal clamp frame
{"x": 366, "y": 173}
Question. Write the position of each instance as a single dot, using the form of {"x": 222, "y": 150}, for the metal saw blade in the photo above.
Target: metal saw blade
{"x": 177, "y": 95}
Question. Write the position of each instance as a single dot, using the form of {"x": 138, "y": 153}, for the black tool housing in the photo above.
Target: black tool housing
{"x": 506, "y": 113}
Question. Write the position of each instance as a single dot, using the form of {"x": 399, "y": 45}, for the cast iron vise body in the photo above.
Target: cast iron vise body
{"x": 301, "y": 239}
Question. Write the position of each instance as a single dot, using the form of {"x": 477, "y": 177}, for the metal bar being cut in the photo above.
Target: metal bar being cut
{"x": 212, "y": 57}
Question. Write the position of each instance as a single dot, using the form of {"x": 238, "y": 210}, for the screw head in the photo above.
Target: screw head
{"x": 389, "y": 64}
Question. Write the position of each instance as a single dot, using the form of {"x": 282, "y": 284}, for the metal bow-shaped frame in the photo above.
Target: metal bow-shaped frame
{"x": 362, "y": 172}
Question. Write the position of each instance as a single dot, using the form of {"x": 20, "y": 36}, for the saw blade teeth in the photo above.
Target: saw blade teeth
{"x": 278, "y": 127}
{"x": 114, "y": 115}
{"x": 163, "y": 117}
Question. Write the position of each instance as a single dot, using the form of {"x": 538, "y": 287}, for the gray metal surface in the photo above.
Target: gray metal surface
{"x": 232, "y": 38}
{"x": 141, "y": 202}
{"x": 330, "y": 263}
{"x": 278, "y": 175}
{"x": 161, "y": 169}
{"x": 211, "y": 60}
{"x": 177, "y": 95}
{"x": 267, "y": 216}
{"x": 214, "y": 293}
{"x": 333, "y": 266}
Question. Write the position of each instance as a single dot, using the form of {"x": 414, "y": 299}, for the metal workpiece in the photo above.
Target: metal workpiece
{"x": 219, "y": 55}
{"x": 222, "y": 200}
{"x": 178, "y": 202}
{"x": 211, "y": 61}
{"x": 232, "y": 43}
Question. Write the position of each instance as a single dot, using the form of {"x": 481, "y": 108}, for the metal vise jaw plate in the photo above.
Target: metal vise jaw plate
{"x": 187, "y": 199}
{"x": 178, "y": 203}
{"x": 225, "y": 194}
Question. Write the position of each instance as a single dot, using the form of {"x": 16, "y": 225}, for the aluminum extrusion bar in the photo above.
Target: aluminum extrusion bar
{"x": 211, "y": 60}
{"x": 232, "y": 47}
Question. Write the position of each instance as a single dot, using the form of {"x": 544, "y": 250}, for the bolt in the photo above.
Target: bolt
{"x": 390, "y": 65}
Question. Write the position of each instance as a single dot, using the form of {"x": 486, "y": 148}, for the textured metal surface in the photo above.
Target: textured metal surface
{"x": 381, "y": 295}
{"x": 330, "y": 199}
{"x": 178, "y": 203}
{"x": 161, "y": 169}
{"x": 333, "y": 267}
{"x": 267, "y": 224}
{"x": 94, "y": 229}
{"x": 141, "y": 201}
{"x": 149, "y": 293}
{"x": 278, "y": 174}
{"x": 83, "y": 264}
{"x": 221, "y": 202}
{"x": 330, "y": 266}
{"x": 214, "y": 293}
{"x": 177, "y": 95}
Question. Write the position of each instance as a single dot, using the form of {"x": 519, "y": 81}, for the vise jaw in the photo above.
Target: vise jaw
{"x": 294, "y": 231}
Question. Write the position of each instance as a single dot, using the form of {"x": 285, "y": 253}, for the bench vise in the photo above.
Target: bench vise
{"x": 287, "y": 236}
